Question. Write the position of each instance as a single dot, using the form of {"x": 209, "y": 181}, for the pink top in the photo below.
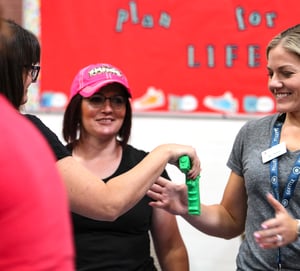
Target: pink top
{"x": 35, "y": 231}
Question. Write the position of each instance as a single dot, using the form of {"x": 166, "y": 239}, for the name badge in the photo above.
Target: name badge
{"x": 273, "y": 152}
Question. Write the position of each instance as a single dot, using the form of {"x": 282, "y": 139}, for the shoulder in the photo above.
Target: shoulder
{"x": 38, "y": 123}
{"x": 258, "y": 125}
{"x": 132, "y": 155}
{"x": 34, "y": 119}
{"x": 255, "y": 128}
{"x": 264, "y": 121}
{"x": 57, "y": 147}
{"x": 46, "y": 132}
{"x": 130, "y": 150}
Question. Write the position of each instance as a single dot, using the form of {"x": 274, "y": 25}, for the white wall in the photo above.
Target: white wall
{"x": 213, "y": 138}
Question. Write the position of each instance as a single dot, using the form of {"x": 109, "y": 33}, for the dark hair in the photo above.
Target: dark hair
{"x": 72, "y": 122}
{"x": 19, "y": 50}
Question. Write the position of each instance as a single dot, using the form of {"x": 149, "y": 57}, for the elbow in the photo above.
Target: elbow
{"x": 113, "y": 210}
{"x": 110, "y": 214}
{"x": 229, "y": 237}
{"x": 103, "y": 213}
{"x": 233, "y": 233}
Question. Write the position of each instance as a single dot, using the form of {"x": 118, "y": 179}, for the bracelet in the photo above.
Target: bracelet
{"x": 298, "y": 227}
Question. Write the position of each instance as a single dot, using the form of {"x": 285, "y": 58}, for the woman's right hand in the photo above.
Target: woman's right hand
{"x": 169, "y": 196}
{"x": 177, "y": 150}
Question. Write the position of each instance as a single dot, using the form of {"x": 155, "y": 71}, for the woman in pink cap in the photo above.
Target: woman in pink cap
{"x": 88, "y": 195}
{"x": 97, "y": 125}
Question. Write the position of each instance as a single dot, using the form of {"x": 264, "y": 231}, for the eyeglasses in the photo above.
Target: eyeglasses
{"x": 98, "y": 101}
{"x": 35, "y": 70}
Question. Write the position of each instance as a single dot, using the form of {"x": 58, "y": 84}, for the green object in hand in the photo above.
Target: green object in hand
{"x": 194, "y": 206}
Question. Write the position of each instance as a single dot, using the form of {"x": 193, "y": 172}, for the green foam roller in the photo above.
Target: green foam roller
{"x": 194, "y": 204}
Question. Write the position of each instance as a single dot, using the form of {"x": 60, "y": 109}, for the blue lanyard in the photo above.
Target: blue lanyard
{"x": 292, "y": 178}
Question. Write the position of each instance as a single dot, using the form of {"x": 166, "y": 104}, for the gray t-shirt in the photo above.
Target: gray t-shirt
{"x": 246, "y": 161}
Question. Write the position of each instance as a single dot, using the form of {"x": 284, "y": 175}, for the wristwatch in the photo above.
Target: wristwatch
{"x": 298, "y": 227}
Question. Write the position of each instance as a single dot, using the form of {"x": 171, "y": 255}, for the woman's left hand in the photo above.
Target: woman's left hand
{"x": 278, "y": 231}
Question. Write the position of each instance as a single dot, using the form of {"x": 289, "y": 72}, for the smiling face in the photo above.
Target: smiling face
{"x": 104, "y": 120}
{"x": 284, "y": 79}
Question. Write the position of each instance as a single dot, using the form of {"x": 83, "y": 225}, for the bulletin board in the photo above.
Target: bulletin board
{"x": 196, "y": 57}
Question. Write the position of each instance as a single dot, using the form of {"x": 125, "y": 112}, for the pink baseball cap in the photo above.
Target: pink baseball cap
{"x": 92, "y": 78}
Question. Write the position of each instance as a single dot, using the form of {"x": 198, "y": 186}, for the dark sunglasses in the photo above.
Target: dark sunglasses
{"x": 98, "y": 101}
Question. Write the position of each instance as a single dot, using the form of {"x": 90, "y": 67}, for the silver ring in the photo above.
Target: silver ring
{"x": 279, "y": 238}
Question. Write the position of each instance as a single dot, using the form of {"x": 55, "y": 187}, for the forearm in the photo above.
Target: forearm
{"x": 169, "y": 245}
{"x": 134, "y": 184}
{"x": 176, "y": 260}
{"x": 127, "y": 189}
{"x": 215, "y": 221}
{"x": 91, "y": 197}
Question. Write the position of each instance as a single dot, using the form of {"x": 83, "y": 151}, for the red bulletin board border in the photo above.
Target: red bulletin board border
{"x": 179, "y": 56}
